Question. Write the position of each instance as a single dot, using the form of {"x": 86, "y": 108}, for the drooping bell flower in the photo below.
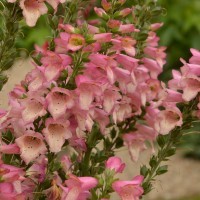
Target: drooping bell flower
{"x": 168, "y": 119}
{"x": 31, "y": 146}
{"x": 129, "y": 190}
{"x": 191, "y": 87}
{"x": 33, "y": 108}
{"x": 86, "y": 89}
{"x": 53, "y": 64}
{"x": 58, "y": 100}
{"x": 78, "y": 187}
{"x": 56, "y": 132}
{"x": 33, "y": 9}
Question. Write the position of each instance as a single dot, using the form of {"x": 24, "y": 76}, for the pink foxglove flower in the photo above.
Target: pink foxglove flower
{"x": 33, "y": 9}
{"x": 56, "y": 132}
{"x": 78, "y": 187}
{"x": 53, "y": 64}
{"x": 168, "y": 119}
{"x": 59, "y": 100}
{"x": 129, "y": 190}
{"x": 191, "y": 87}
{"x": 31, "y": 146}
{"x": 33, "y": 108}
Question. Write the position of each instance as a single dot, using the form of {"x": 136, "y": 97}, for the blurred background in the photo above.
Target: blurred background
{"x": 181, "y": 31}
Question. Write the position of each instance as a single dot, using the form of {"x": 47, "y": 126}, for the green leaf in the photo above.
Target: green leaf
{"x": 162, "y": 169}
{"x": 144, "y": 171}
{"x": 161, "y": 141}
{"x": 153, "y": 161}
{"x": 170, "y": 152}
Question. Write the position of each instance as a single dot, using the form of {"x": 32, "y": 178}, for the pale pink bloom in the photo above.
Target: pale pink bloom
{"x": 126, "y": 44}
{"x": 103, "y": 37}
{"x": 157, "y": 53}
{"x": 31, "y": 146}
{"x": 37, "y": 80}
{"x": 59, "y": 100}
{"x": 78, "y": 187}
{"x": 191, "y": 87}
{"x": 110, "y": 98}
{"x": 173, "y": 96}
{"x": 86, "y": 89}
{"x": 167, "y": 120}
{"x": 135, "y": 144}
{"x": 153, "y": 66}
{"x": 76, "y": 42}
{"x": 129, "y": 190}
{"x": 135, "y": 141}
{"x": 33, "y": 108}
{"x": 101, "y": 117}
{"x": 53, "y": 64}
{"x": 56, "y": 132}
{"x": 121, "y": 112}
{"x": 115, "y": 163}
{"x": 33, "y": 9}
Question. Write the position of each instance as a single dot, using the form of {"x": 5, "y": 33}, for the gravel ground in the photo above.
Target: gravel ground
{"x": 182, "y": 180}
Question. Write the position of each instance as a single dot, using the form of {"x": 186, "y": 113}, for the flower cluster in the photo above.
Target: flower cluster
{"x": 92, "y": 87}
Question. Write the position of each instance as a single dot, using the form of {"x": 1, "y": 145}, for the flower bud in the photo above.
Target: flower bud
{"x": 115, "y": 163}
